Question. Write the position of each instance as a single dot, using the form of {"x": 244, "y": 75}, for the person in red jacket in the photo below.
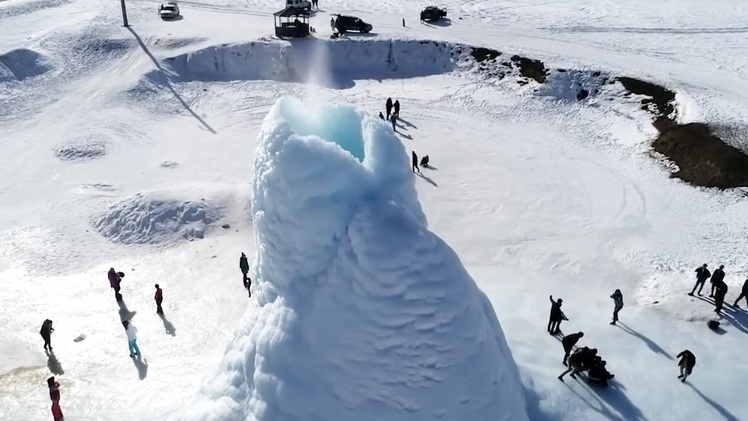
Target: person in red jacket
{"x": 54, "y": 396}
{"x": 159, "y": 297}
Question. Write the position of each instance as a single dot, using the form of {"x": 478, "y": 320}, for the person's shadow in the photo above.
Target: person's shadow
{"x": 429, "y": 180}
{"x": 650, "y": 343}
{"x": 53, "y": 363}
{"x": 168, "y": 326}
{"x": 124, "y": 312}
{"x": 719, "y": 408}
{"x": 142, "y": 366}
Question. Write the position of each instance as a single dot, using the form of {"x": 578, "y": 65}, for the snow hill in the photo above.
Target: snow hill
{"x": 134, "y": 147}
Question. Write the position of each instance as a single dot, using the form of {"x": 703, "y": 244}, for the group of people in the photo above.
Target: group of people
{"x": 393, "y": 112}
{"x": 719, "y": 288}
{"x": 115, "y": 280}
{"x": 584, "y": 359}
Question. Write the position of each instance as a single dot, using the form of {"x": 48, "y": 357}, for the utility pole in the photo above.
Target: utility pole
{"x": 124, "y": 13}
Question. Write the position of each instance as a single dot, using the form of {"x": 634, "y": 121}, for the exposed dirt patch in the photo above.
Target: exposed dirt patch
{"x": 481, "y": 54}
{"x": 703, "y": 158}
{"x": 531, "y": 68}
{"x": 660, "y": 101}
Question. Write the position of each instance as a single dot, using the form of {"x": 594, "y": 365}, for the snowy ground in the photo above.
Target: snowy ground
{"x": 113, "y": 155}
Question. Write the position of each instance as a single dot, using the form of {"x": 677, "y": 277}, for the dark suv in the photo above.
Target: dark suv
{"x": 351, "y": 23}
{"x": 433, "y": 13}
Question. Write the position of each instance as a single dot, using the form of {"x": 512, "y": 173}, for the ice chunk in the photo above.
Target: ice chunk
{"x": 365, "y": 314}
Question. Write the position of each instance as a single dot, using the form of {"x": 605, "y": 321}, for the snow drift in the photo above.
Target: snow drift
{"x": 159, "y": 217}
{"x": 364, "y": 313}
{"x": 21, "y": 64}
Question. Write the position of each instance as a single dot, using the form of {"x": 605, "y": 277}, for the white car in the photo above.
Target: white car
{"x": 168, "y": 10}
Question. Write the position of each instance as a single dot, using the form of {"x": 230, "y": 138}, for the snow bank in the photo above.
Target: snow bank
{"x": 573, "y": 85}
{"x": 364, "y": 313}
{"x": 330, "y": 63}
{"x": 160, "y": 217}
{"x": 22, "y": 64}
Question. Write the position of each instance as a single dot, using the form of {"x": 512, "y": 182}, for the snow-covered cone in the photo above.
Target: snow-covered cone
{"x": 365, "y": 314}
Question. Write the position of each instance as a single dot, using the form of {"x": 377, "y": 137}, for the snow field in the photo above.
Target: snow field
{"x": 536, "y": 197}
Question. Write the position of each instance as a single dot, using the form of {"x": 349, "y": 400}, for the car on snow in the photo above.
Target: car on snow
{"x": 351, "y": 23}
{"x": 433, "y": 13}
{"x": 168, "y": 10}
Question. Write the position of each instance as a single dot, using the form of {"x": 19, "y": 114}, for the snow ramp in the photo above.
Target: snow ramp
{"x": 364, "y": 314}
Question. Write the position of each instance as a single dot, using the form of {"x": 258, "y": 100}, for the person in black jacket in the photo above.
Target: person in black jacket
{"x": 743, "y": 293}
{"x": 717, "y": 277}
{"x": 719, "y": 296}
{"x": 396, "y": 107}
{"x": 556, "y": 316}
{"x": 244, "y": 266}
{"x": 702, "y": 274}
{"x": 388, "y": 107}
{"x": 46, "y": 332}
{"x": 568, "y": 342}
{"x": 686, "y": 362}
{"x": 414, "y": 161}
{"x": 618, "y": 300}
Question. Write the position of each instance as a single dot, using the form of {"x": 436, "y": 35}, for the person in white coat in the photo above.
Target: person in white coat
{"x": 132, "y": 337}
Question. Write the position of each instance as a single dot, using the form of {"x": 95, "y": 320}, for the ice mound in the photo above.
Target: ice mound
{"x": 364, "y": 313}
{"x": 159, "y": 217}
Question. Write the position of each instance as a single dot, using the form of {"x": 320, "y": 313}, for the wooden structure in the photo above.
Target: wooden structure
{"x": 291, "y": 22}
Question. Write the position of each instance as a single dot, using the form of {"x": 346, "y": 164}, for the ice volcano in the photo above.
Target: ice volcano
{"x": 364, "y": 313}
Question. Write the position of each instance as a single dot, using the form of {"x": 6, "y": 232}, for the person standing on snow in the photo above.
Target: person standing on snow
{"x": 743, "y": 293}
{"x": 114, "y": 280}
{"x": 702, "y": 274}
{"x": 717, "y": 277}
{"x": 388, "y": 107}
{"x": 686, "y": 362}
{"x": 618, "y": 299}
{"x": 414, "y": 162}
{"x": 46, "y": 332}
{"x": 159, "y": 297}
{"x": 396, "y": 106}
{"x": 132, "y": 337}
{"x": 244, "y": 267}
{"x": 554, "y": 321}
{"x": 54, "y": 396}
{"x": 568, "y": 342}
{"x": 719, "y": 296}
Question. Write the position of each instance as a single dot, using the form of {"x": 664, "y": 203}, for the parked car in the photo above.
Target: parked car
{"x": 168, "y": 10}
{"x": 351, "y": 23}
{"x": 433, "y": 13}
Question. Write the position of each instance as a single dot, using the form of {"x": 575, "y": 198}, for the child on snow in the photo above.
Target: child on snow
{"x": 132, "y": 337}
